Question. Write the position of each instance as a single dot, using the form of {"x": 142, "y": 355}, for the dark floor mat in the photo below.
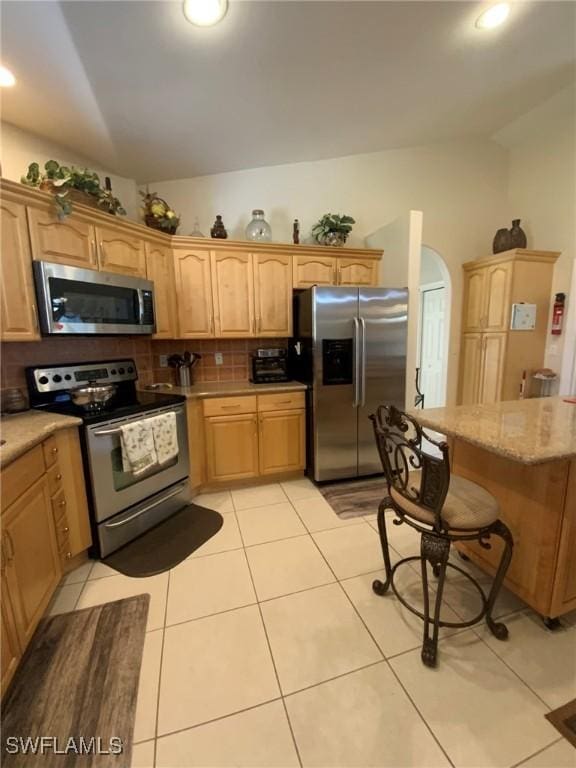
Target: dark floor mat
{"x": 77, "y": 685}
{"x": 166, "y": 545}
{"x": 354, "y": 498}
{"x": 564, "y": 720}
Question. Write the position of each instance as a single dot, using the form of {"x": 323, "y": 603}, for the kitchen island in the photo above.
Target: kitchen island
{"x": 524, "y": 453}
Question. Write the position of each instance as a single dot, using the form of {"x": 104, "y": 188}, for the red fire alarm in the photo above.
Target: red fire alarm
{"x": 558, "y": 313}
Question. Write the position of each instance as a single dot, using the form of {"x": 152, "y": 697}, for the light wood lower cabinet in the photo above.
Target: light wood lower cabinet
{"x": 32, "y": 563}
{"x": 492, "y": 367}
{"x": 247, "y": 436}
{"x": 282, "y": 441}
{"x": 231, "y": 447}
{"x": 18, "y": 312}
{"x": 10, "y": 651}
{"x": 470, "y": 367}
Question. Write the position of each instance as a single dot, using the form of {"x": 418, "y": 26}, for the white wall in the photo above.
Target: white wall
{"x": 19, "y": 148}
{"x": 542, "y": 191}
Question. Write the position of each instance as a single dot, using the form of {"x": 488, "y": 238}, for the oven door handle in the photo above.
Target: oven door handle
{"x": 118, "y": 430}
{"x": 147, "y": 508}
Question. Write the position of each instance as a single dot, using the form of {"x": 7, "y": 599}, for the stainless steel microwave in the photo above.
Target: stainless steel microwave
{"x": 84, "y": 301}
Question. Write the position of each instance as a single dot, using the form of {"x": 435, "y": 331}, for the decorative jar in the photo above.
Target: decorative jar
{"x": 258, "y": 229}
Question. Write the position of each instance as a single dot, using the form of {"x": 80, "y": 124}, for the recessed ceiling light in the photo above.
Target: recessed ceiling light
{"x": 205, "y": 13}
{"x": 494, "y": 16}
{"x": 7, "y": 79}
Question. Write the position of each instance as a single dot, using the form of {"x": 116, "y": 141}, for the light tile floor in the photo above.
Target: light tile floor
{"x": 268, "y": 648}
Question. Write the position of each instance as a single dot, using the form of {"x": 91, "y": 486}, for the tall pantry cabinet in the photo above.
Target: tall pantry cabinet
{"x": 492, "y": 355}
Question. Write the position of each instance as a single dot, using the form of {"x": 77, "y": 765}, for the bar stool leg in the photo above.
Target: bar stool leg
{"x": 435, "y": 550}
{"x": 381, "y": 587}
{"x": 498, "y": 629}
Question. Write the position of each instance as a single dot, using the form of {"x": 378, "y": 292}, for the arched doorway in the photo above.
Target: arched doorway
{"x": 434, "y": 327}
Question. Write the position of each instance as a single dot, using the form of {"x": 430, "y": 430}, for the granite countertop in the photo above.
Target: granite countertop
{"x": 230, "y": 388}
{"x": 529, "y": 431}
{"x": 23, "y": 431}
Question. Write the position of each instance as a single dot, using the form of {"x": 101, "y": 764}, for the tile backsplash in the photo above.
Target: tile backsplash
{"x": 15, "y": 356}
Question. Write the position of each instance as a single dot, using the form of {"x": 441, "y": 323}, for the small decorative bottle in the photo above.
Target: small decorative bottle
{"x": 296, "y": 232}
{"x": 218, "y": 231}
{"x": 258, "y": 228}
{"x": 196, "y": 231}
{"x": 517, "y": 235}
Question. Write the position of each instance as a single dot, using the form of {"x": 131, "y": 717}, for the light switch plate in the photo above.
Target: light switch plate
{"x": 523, "y": 317}
{"x": 218, "y": 359}
{"x": 163, "y": 361}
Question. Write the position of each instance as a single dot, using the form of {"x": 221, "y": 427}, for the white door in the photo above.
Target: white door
{"x": 432, "y": 353}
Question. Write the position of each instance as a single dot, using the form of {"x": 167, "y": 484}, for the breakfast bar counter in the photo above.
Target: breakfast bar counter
{"x": 524, "y": 453}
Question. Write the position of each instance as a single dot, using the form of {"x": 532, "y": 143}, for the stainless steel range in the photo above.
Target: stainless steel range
{"x": 123, "y": 504}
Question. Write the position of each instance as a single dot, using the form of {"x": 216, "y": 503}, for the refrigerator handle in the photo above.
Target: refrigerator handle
{"x": 356, "y": 368}
{"x": 363, "y": 363}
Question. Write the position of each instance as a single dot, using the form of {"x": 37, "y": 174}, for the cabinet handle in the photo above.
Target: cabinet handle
{"x": 212, "y": 325}
{"x": 2, "y": 557}
{"x": 339, "y": 275}
{"x": 62, "y": 503}
{"x": 283, "y": 402}
{"x": 335, "y": 275}
{"x": 11, "y": 548}
{"x": 35, "y": 316}
{"x": 65, "y": 529}
{"x": 58, "y": 476}
{"x": 54, "y": 450}
{"x": 68, "y": 555}
{"x": 93, "y": 251}
{"x": 229, "y": 407}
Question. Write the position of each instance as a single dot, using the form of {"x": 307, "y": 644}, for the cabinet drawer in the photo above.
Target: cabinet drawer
{"x": 50, "y": 448}
{"x": 59, "y": 506}
{"x": 21, "y": 474}
{"x": 281, "y": 401}
{"x": 229, "y": 406}
{"x": 55, "y": 483}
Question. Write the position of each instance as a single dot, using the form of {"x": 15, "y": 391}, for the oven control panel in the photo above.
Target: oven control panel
{"x": 64, "y": 377}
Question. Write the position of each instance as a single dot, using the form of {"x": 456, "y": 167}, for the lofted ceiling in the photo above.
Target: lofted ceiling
{"x": 138, "y": 89}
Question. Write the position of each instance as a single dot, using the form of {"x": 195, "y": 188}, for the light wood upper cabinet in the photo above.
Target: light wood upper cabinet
{"x": 313, "y": 270}
{"x": 160, "y": 269}
{"x": 471, "y": 367}
{"x": 18, "y": 314}
{"x": 71, "y": 241}
{"x": 231, "y": 447}
{"x": 233, "y": 294}
{"x": 120, "y": 251}
{"x": 357, "y": 272}
{"x": 194, "y": 294}
{"x": 474, "y": 300}
{"x": 282, "y": 446}
{"x": 492, "y": 367}
{"x": 32, "y": 561}
{"x": 9, "y": 646}
{"x": 497, "y": 297}
{"x": 273, "y": 294}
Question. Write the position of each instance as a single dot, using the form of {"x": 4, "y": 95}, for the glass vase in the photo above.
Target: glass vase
{"x": 258, "y": 229}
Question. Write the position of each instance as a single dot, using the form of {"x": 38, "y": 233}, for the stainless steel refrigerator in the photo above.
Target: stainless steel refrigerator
{"x": 350, "y": 347}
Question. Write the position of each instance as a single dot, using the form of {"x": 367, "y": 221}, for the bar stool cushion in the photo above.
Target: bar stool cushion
{"x": 468, "y": 506}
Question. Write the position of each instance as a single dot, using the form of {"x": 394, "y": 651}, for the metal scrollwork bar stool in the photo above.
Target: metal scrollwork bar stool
{"x": 443, "y": 509}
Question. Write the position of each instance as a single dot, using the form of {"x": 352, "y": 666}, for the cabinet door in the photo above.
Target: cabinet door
{"x": 357, "y": 272}
{"x": 69, "y": 475}
{"x": 282, "y": 442}
{"x": 313, "y": 270}
{"x": 470, "y": 368}
{"x": 121, "y": 252}
{"x": 474, "y": 300}
{"x": 19, "y": 321}
{"x": 71, "y": 241}
{"x": 194, "y": 294}
{"x": 492, "y": 367}
{"x": 233, "y": 294}
{"x": 231, "y": 447}
{"x": 273, "y": 294}
{"x": 564, "y": 595}
{"x": 9, "y": 646}
{"x": 160, "y": 269}
{"x": 498, "y": 280}
{"x": 33, "y": 565}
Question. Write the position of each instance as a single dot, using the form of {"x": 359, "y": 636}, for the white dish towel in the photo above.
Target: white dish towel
{"x": 165, "y": 436}
{"x": 138, "y": 449}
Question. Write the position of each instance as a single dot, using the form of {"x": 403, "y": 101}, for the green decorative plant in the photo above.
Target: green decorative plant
{"x": 158, "y": 214}
{"x": 332, "y": 229}
{"x": 61, "y": 180}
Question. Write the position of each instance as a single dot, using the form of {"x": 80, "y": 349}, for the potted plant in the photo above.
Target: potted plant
{"x": 158, "y": 214}
{"x": 68, "y": 184}
{"x": 332, "y": 229}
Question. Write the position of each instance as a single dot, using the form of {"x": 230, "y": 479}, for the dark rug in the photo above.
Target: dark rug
{"x": 78, "y": 678}
{"x": 564, "y": 720}
{"x": 353, "y": 498}
{"x": 168, "y": 543}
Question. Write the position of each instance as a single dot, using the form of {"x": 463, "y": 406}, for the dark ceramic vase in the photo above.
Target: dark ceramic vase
{"x": 517, "y": 235}
{"x": 502, "y": 241}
